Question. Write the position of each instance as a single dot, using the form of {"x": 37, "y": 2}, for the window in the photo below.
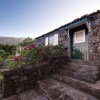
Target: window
{"x": 46, "y": 41}
{"x": 55, "y": 39}
{"x": 52, "y": 40}
{"x": 79, "y": 36}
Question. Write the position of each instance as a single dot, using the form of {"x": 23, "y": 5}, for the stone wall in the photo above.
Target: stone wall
{"x": 64, "y": 39}
{"x": 94, "y": 40}
{"x": 24, "y": 78}
{"x": 41, "y": 40}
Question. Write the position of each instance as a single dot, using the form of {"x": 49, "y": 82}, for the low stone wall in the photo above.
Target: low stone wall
{"x": 25, "y": 78}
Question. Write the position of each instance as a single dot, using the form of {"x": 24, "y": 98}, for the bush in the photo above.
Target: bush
{"x": 32, "y": 54}
{"x": 11, "y": 57}
{"x": 1, "y": 77}
{"x": 2, "y": 51}
{"x": 53, "y": 50}
{"x": 57, "y": 53}
{"x": 13, "y": 64}
{"x": 1, "y": 59}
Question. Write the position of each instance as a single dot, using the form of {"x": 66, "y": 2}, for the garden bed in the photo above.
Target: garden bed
{"x": 24, "y": 78}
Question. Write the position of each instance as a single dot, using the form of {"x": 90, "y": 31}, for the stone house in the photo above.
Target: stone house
{"x": 79, "y": 79}
{"x": 81, "y": 37}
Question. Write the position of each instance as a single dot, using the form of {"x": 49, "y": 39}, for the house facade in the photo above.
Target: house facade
{"x": 81, "y": 38}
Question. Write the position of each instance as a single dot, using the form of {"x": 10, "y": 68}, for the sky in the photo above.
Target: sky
{"x": 32, "y": 18}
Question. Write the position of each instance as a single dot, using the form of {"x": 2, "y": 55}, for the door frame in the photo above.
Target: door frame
{"x": 71, "y": 37}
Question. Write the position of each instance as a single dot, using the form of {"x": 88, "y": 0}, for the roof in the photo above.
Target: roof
{"x": 74, "y": 21}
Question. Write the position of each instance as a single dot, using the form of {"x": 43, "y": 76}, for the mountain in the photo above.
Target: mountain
{"x": 10, "y": 40}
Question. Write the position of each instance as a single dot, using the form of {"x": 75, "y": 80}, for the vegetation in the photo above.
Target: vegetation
{"x": 26, "y": 41}
{"x": 13, "y": 64}
{"x": 1, "y": 59}
{"x": 53, "y": 50}
{"x": 2, "y": 51}
{"x": 11, "y": 57}
{"x": 1, "y": 77}
{"x": 32, "y": 54}
{"x": 6, "y": 50}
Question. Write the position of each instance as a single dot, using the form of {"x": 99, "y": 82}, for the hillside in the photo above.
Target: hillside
{"x": 10, "y": 40}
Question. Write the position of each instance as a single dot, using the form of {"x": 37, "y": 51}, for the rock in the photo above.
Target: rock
{"x": 88, "y": 88}
{"x": 28, "y": 95}
{"x": 58, "y": 91}
{"x": 87, "y": 73}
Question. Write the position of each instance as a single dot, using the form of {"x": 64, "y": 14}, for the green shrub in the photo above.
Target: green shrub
{"x": 13, "y": 64}
{"x": 53, "y": 50}
{"x": 1, "y": 77}
{"x": 57, "y": 53}
{"x": 2, "y": 51}
{"x": 48, "y": 50}
{"x": 59, "y": 46}
{"x": 32, "y": 54}
{"x": 1, "y": 59}
{"x": 11, "y": 57}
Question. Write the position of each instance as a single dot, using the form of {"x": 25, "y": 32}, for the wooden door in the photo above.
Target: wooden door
{"x": 79, "y": 46}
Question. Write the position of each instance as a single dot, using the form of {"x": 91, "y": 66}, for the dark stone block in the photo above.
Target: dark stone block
{"x": 87, "y": 73}
{"x": 96, "y": 23}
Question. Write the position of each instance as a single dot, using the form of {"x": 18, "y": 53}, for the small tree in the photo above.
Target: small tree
{"x": 26, "y": 41}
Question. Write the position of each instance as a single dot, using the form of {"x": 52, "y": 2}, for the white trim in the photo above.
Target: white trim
{"x": 83, "y": 38}
{"x": 55, "y": 39}
{"x": 52, "y": 40}
{"x": 46, "y": 41}
{"x": 88, "y": 26}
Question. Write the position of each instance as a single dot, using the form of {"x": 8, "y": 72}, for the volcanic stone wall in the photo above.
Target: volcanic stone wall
{"x": 25, "y": 78}
{"x": 64, "y": 39}
{"x": 94, "y": 40}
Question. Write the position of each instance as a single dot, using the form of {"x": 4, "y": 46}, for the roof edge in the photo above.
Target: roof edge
{"x": 87, "y": 16}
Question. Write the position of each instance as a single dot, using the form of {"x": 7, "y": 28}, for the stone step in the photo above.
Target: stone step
{"x": 80, "y": 62}
{"x": 86, "y": 73}
{"x": 66, "y": 72}
{"x": 56, "y": 90}
{"x": 69, "y": 66}
{"x": 74, "y": 66}
{"x": 89, "y": 88}
{"x": 98, "y": 83}
{"x": 28, "y": 95}
{"x": 90, "y": 75}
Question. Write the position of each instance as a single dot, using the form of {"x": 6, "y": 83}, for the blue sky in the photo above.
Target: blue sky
{"x": 32, "y": 18}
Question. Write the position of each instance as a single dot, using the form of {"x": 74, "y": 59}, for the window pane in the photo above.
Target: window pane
{"x": 46, "y": 41}
{"x": 51, "y": 40}
{"x": 55, "y": 39}
{"x": 79, "y": 36}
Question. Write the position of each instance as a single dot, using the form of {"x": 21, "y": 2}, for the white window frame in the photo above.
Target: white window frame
{"x": 46, "y": 41}
{"x": 75, "y": 36}
{"x": 54, "y": 42}
{"x": 51, "y": 40}
{"x": 56, "y": 39}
